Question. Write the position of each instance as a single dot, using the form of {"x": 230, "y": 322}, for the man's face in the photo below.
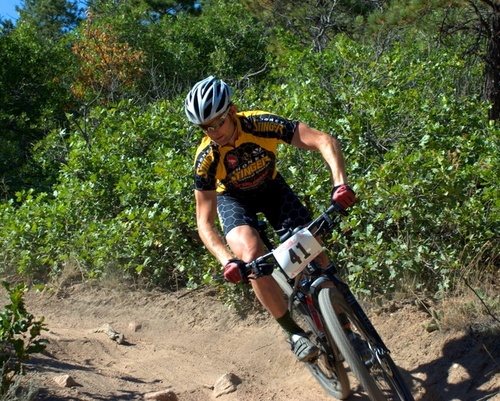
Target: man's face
{"x": 219, "y": 129}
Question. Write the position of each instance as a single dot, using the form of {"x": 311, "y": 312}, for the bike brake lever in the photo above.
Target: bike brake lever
{"x": 339, "y": 209}
{"x": 258, "y": 270}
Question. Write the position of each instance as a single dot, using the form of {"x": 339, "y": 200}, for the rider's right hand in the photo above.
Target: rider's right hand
{"x": 232, "y": 271}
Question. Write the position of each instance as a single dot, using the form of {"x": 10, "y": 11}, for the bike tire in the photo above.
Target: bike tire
{"x": 382, "y": 379}
{"x": 329, "y": 372}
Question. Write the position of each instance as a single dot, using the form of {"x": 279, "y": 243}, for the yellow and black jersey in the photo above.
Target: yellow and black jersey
{"x": 251, "y": 163}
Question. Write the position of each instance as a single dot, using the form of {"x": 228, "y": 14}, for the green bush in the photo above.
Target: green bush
{"x": 421, "y": 155}
{"x": 123, "y": 204}
{"x": 19, "y": 336}
{"x": 419, "y": 152}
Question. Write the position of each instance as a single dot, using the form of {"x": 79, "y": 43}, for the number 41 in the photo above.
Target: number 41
{"x": 294, "y": 257}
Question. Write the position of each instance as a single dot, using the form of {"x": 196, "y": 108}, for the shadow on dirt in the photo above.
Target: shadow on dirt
{"x": 465, "y": 366}
{"x": 122, "y": 396}
{"x": 50, "y": 364}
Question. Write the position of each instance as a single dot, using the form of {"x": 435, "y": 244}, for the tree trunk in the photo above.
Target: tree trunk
{"x": 492, "y": 67}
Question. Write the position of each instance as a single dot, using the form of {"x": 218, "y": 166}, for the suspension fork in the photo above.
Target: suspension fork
{"x": 332, "y": 278}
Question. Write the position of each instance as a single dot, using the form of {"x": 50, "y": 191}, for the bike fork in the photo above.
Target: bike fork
{"x": 351, "y": 300}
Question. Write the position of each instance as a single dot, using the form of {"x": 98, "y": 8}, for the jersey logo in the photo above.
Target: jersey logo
{"x": 232, "y": 161}
{"x": 204, "y": 162}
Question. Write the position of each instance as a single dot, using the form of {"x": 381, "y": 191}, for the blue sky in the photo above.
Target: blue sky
{"x": 8, "y": 9}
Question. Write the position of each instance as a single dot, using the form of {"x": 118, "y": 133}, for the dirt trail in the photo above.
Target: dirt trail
{"x": 186, "y": 341}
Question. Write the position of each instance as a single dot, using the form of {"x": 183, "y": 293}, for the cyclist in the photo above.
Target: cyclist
{"x": 235, "y": 177}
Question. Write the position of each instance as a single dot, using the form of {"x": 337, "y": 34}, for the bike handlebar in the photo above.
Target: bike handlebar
{"x": 325, "y": 222}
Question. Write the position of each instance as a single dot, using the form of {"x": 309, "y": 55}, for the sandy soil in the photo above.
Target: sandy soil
{"x": 185, "y": 341}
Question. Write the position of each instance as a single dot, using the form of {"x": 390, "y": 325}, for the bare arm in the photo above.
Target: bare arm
{"x": 312, "y": 139}
{"x": 206, "y": 213}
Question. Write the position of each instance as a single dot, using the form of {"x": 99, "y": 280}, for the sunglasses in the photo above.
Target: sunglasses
{"x": 216, "y": 125}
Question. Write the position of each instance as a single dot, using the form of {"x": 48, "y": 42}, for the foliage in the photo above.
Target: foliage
{"x": 419, "y": 155}
{"x": 32, "y": 102}
{"x": 314, "y": 23}
{"x": 123, "y": 203}
{"x": 19, "y": 336}
{"x": 50, "y": 18}
{"x": 476, "y": 20}
{"x": 154, "y": 9}
{"x": 224, "y": 40}
{"x": 117, "y": 195}
{"x": 108, "y": 68}
{"x": 179, "y": 48}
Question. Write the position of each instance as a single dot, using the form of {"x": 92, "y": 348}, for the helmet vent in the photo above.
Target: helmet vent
{"x": 207, "y": 99}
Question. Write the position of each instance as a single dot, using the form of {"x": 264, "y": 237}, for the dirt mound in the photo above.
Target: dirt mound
{"x": 185, "y": 342}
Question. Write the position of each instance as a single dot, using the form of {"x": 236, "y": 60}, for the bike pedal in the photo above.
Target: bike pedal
{"x": 369, "y": 362}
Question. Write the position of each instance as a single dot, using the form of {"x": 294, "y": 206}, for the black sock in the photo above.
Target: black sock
{"x": 288, "y": 324}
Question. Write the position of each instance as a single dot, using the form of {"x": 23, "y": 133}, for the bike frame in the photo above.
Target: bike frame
{"x": 317, "y": 278}
{"x": 309, "y": 287}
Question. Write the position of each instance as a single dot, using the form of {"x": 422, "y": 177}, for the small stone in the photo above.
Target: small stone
{"x": 134, "y": 326}
{"x": 164, "y": 395}
{"x": 118, "y": 337}
{"x": 112, "y": 334}
{"x": 226, "y": 384}
{"x": 65, "y": 381}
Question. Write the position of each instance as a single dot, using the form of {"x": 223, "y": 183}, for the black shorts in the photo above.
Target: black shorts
{"x": 277, "y": 202}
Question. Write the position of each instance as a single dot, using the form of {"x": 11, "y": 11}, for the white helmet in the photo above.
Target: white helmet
{"x": 208, "y": 98}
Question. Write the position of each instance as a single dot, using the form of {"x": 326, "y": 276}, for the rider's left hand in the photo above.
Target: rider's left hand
{"x": 343, "y": 195}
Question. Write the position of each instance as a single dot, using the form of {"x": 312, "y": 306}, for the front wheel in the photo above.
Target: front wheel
{"x": 373, "y": 366}
{"x": 326, "y": 368}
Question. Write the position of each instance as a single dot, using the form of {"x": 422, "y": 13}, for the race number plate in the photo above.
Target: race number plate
{"x": 296, "y": 252}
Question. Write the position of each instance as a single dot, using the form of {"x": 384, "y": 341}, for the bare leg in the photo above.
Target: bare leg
{"x": 245, "y": 243}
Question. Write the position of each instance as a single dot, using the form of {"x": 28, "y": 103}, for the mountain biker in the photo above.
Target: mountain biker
{"x": 236, "y": 177}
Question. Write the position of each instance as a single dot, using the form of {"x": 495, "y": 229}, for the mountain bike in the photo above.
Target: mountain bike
{"x": 322, "y": 302}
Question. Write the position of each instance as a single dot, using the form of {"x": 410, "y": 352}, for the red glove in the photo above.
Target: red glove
{"x": 233, "y": 271}
{"x": 343, "y": 195}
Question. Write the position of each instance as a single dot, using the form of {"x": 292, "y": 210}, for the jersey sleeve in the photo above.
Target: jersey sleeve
{"x": 267, "y": 125}
{"x": 205, "y": 168}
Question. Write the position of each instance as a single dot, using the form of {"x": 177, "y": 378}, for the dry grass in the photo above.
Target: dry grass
{"x": 473, "y": 305}
{"x": 24, "y": 388}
